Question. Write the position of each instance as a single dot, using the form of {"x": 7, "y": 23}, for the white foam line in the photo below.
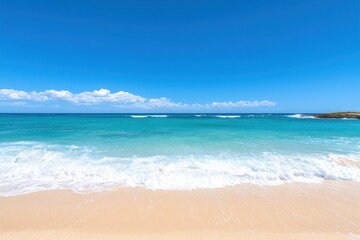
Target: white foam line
{"x": 301, "y": 116}
{"x": 228, "y": 116}
{"x": 26, "y": 167}
{"x": 146, "y": 116}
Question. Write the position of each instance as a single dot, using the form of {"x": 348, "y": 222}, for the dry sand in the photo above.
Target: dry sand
{"x": 330, "y": 210}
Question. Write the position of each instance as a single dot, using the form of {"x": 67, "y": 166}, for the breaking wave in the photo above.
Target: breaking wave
{"x": 32, "y": 166}
{"x": 300, "y": 116}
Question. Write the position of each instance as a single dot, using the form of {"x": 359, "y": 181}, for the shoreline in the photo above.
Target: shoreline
{"x": 330, "y": 210}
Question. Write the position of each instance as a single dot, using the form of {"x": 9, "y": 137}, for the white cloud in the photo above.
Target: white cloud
{"x": 11, "y": 94}
{"x": 241, "y": 104}
{"x": 121, "y": 99}
{"x": 62, "y": 94}
{"x": 163, "y": 102}
{"x": 97, "y": 96}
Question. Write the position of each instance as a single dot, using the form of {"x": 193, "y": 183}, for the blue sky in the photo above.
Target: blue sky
{"x": 179, "y": 56}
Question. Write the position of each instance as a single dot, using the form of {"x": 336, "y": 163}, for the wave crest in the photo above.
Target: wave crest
{"x": 30, "y": 166}
{"x": 147, "y": 116}
{"x": 301, "y": 116}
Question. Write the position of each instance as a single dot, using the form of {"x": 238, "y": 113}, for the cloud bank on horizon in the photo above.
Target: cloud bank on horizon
{"x": 120, "y": 99}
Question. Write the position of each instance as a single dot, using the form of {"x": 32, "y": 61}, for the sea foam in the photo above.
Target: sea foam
{"x": 146, "y": 116}
{"x": 301, "y": 116}
{"x": 217, "y": 116}
{"x": 228, "y": 116}
{"x": 32, "y": 166}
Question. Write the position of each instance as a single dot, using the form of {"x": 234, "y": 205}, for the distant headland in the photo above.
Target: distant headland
{"x": 339, "y": 115}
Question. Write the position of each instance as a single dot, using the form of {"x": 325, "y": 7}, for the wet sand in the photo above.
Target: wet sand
{"x": 330, "y": 210}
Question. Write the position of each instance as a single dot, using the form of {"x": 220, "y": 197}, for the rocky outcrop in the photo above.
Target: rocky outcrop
{"x": 339, "y": 115}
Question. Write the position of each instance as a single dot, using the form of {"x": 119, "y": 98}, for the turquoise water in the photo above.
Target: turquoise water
{"x": 92, "y": 152}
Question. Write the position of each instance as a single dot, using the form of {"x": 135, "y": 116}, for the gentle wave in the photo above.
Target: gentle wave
{"x": 146, "y": 116}
{"x": 218, "y": 116}
{"x": 228, "y": 116}
{"x": 349, "y": 119}
{"x": 31, "y": 166}
{"x": 301, "y": 116}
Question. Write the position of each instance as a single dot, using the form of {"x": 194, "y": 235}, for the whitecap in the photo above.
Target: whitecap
{"x": 147, "y": 116}
{"x": 26, "y": 167}
{"x": 228, "y": 116}
{"x": 301, "y": 116}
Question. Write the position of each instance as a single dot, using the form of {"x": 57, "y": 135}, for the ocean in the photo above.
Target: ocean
{"x": 96, "y": 152}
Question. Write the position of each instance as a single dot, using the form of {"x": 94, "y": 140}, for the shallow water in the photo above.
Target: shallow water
{"x": 92, "y": 152}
